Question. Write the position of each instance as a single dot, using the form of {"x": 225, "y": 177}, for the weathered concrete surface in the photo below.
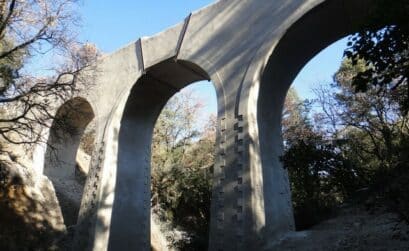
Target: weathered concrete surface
{"x": 251, "y": 50}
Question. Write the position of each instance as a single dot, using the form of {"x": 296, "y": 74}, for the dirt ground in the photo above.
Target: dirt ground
{"x": 354, "y": 228}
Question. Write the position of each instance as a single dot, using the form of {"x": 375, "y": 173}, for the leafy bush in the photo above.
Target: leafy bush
{"x": 397, "y": 192}
{"x": 320, "y": 179}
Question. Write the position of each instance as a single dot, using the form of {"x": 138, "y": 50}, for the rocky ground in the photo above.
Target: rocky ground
{"x": 30, "y": 218}
{"x": 354, "y": 228}
{"x": 39, "y": 214}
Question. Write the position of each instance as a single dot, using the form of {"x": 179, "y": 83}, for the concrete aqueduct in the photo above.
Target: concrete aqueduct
{"x": 251, "y": 50}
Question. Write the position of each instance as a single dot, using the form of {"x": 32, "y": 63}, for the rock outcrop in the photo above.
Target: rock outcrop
{"x": 30, "y": 216}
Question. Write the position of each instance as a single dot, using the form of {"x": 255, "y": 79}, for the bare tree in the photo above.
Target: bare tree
{"x": 33, "y": 32}
{"x": 373, "y": 123}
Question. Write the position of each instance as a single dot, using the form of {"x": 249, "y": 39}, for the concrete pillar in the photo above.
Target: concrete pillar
{"x": 251, "y": 201}
{"x": 130, "y": 220}
{"x": 227, "y": 209}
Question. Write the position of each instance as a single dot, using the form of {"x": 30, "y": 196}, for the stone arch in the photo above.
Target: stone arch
{"x": 129, "y": 226}
{"x": 315, "y": 30}
{"x": 65, "y": 164}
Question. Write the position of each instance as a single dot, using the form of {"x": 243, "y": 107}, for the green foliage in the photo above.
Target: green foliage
{"x": 182, "y": 160}
{"x": 373, "y": 122}
{"x": 189, "y": 208}
{"x": 369, "y": 135}
{"x": 320, "y": 179}
{"x": 356, "y": 140}
{"x": 296, "y": 124}
{"x": 376, "y": 129}
{"x": 383, "y": 44}
{"x": 397, "y": 190}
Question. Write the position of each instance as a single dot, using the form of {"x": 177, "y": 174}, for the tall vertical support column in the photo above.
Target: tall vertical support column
{"x": 218, "y": 196}
{"x": 238, "y": 214}
{"x": 251, "y": 203}
{"x": 227, "y": 209}
{"x": 130, "y": 222}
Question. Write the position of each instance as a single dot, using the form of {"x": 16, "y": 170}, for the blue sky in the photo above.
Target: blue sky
{"x": 320, "y": 69}
{"x": 112, "y": 24}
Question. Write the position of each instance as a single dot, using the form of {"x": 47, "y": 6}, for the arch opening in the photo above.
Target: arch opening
{"x": 183, "y": 150}
{"x": 68, "y": 155}
{"x": 131, "y": 213}
{"x": 316, "y": 30}
{"x": 311, "y": 142}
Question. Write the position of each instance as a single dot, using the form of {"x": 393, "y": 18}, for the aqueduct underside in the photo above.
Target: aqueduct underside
{"x": 251, "y": 50}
